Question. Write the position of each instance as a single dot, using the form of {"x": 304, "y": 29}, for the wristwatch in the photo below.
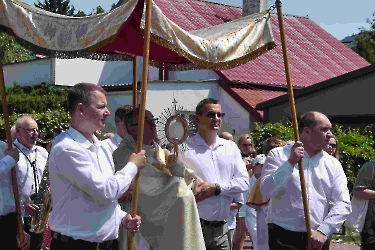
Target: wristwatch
{"x": 217, "y": 189}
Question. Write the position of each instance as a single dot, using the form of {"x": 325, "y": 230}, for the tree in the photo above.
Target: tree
{"x": 365, "y": 39}
{"x": 61, "y": 7}
{"x": 13, "y": 52}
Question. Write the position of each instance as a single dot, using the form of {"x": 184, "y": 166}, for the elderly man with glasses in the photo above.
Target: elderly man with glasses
{"x": 220, "y": 170}
{"x": 30, "y": 167}
{"x": 166, "y": 204}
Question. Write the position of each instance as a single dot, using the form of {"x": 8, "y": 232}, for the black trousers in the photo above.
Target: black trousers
{"x": 8, "y": 231}
{"x": 36, "y": 240}
{"x": 282, "y": 239}
{"x": 62, "y": 242}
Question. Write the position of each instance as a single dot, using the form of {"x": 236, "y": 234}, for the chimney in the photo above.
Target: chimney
{"x": 253, "y": 6}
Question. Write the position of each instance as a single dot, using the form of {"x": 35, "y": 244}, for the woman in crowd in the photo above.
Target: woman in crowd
{"x": 333, "y": 147}
{"x": 245, "y": 143}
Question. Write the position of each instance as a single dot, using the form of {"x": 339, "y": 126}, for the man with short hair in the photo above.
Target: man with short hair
{"x": 326, "y": 184}
{"x": 84, "y": 186}
{"x": 165, "y": 202}
{"x": 115, "y": 141}
{"x": 30, "y": 167}
{"x": 220, "y": 171}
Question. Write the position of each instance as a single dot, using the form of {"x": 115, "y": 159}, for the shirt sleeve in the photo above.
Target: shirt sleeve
{"x": 341, "y": 203}
{"x": 121, "y": 214}
{"x": 76, "y": 166}
{"x": 274, "y": 174}
{"x": 240, "y": 181}
{"x": 6, "y": 163}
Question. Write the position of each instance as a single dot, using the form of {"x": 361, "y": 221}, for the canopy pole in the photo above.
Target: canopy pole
{"x": 9, "y": 142}
{"x": 135, "y": 81}
{"x": 294, "y": 116}
{"x": 142, "y": 111}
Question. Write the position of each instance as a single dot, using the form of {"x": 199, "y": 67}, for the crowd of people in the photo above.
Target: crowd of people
{"x": 208, "y": 197}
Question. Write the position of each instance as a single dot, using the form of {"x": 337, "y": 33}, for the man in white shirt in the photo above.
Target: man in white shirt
{"x": 325, "y": 183}
{"x": 84, "y": 186}
{"x": 8, "y": 216}
{"x": 115, "y": 141}
{"x": 30, "y": 167}
{"x": 220, "y": 171}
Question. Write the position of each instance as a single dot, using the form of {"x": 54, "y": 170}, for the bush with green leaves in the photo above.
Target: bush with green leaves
{"x": 38, "y": 98}
{"x": 355, "y": 145}
{"x": 50, "y": 121}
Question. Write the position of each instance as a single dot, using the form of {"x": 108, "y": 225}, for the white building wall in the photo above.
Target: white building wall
{"x": 28, "y": 73}
{"x": 69, "y": 72}
{"x": 160, "y": 96}
{"x": 193, "y": 75}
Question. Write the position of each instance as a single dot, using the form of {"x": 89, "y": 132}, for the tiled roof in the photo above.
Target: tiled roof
{"x": 255, "y": 96}
{"x": 314, "y": 54}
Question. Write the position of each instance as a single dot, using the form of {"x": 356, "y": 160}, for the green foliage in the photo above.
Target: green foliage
{"x": 355, "y": 145}
{"x": 37, "y": 99}
{"x": 266, "y": 130}
{"x": 45, "y": 104}
{"x": 365, "y": 46}
{"x": 365, "y": 41}
{"x": 50, "y": 121}
{"x": 13, "y": 52}
{"x": 61, "y": 7}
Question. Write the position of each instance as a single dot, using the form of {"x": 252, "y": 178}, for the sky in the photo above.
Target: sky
{"x": 340, "y": 18}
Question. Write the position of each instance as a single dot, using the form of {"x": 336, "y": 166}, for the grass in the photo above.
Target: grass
{"x": 347, "y": 236}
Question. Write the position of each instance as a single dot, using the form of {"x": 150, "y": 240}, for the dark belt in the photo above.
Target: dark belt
{"x": 214, "y": 223}
{"x": 81, "y": 244}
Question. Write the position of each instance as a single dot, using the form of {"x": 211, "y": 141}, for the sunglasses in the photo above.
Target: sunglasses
{"x": 247, "y": 144}
{"x": 332, "y": 145}
{"x": 149, "y": 122}
{"x": 211, "y": 114}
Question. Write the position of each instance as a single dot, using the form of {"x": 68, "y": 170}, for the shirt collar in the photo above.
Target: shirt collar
{"x": 201, "y": 142}
{"x": 78, "y": 137}
{"x": 22, "y": 147}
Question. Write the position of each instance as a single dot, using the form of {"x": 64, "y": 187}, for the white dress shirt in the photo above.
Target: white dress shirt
{"x": 25, "y": 172}
{"x": 325, "y": 182}
{"x": 113, "y": 142}
{"x": 7, "y": 204}
{"x": 85, "y": 188}
{"x": 223, "y": 165}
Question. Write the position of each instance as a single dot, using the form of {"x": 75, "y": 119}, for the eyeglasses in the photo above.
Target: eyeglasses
{"x": 211, "y": 114}
{"x": 149, "y": 122}
{"x": 333, "y": 145}
{"x": 247, "y": 144}
{"x": 30, "y": 130}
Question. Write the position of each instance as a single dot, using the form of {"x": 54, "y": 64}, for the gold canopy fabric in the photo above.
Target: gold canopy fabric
{"x": 256, "y": 199}
{"x": 218, "y": 47}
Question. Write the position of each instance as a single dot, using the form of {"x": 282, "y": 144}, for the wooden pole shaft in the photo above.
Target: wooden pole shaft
{"x": 9, "y": 142}
{"x": 135, "y": 81}
{"x": 294, "y": 116}
{"x": 141, "y": 117}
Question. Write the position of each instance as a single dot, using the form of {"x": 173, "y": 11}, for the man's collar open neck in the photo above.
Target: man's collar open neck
{"x": 311, "y": 150}
{"x": 209, "y": 137}
{"x": 28, "y": 147}
{"x": 88, "y": 135}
